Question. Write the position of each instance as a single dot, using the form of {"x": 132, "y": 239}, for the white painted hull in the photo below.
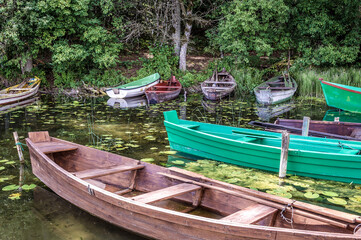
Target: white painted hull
{"x": 273, "y": 97}
{"x": 127, "y": 93}
{"x": 127, "y": 103}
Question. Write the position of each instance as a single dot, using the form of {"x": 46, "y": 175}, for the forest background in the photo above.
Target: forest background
{"x": 69, "y": 43}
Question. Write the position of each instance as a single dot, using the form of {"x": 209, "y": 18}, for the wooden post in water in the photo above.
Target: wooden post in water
{"x": 284, "y": 156}
{"x": 305, "y": 126}
{"x": 22, "y": 161}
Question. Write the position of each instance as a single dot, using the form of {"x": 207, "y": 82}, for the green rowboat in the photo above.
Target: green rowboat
{"x": 342, "y": 96}
{"x": 133, "y": 89}
{"x": 331, "y": 159}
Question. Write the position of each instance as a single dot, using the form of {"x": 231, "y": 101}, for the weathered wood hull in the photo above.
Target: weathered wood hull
{"x": 60, "y": 169}
{"x": 268, "y": 96}
{"x": 164, "y": 91}
{"x": 342, "y": 96}
{"x": 330, "y": 159}
{"x": 213, "y": 88}
{"x": 16, "y": 97}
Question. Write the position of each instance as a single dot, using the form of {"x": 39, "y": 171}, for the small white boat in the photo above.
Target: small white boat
{"x": 133, "y": 89}
{"x": 276, "y": 90}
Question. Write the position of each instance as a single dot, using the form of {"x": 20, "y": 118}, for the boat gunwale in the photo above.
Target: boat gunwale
{"x": 339, "y": 87}
{"x": 105, "y": 195}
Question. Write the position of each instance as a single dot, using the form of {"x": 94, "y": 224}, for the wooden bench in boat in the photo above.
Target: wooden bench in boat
{"x": 166, "y": 193}
{"x": 276, "y": 88}
{"x": 54, "y": 147}
{"x": 211, "y": 82}
{"x": 192, "y": 126}
{"x": 98, "y": 172}
{"x": 216, "y": 88}
{"x": 251, "y": 214}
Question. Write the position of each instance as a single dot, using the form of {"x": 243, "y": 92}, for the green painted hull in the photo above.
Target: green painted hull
{"x": 308, "y": 156}
{"x": 342, "y": 96}
{"x": 141, "y": 82}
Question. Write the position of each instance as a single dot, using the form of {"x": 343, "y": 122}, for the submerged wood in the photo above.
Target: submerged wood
{"x": 245, "y": 213}
{"x": 340, "y": 130}
{"x": 20, "y": 92}
{"x": 220, "y": 85}
{"x": 276, "y": 90}
{"x": 164, "y": 91}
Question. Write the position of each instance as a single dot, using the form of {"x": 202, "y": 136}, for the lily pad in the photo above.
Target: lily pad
{"x": 168, "y": 152}
{"x": 153, "y": 148}
{"x": 28, "y": 187}
{"x": 10, "y": 187}
{"x": 338, "y": 201}
{"x": 147, "y": 159}
{"x": 5, "y": 160}
{"x": 14, "y": 196}
{"x": 311, "y": 195}
{"x": 330, "y": 194}
{"x": 178, "y": 162}
{"x": 2, "y": 168}
{"x": 10, "y": 162}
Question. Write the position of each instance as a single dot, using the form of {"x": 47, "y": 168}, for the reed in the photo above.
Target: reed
{"x": 308, "y": 80}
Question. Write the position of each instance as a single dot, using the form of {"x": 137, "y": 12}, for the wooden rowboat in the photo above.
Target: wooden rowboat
{"x": 220, "y": 85}
{"x": 276, "y": 90}
{"x": 19, "y": 92}
{"x": 133, "y": 89}
{"x": 342, "y": 96}
{"x": 323, "y": 158}
{"x": 139, "y": 197}
{"x": 164, "y": 91}
{"x": 340, "y": 130}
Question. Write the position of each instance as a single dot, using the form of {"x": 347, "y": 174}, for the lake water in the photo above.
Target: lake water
{"x": 137, "y": 132}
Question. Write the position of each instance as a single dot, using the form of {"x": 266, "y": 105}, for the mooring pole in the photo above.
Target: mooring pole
{"x": 284, "y": 156}
{"x": 305, "y": 126}
{"x": 22, "y": 161}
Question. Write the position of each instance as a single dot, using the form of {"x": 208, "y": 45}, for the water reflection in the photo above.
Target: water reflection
{"x": 127, "y": 102}
{"x": 342, "y": 116}
{"x": 266, "y": 112}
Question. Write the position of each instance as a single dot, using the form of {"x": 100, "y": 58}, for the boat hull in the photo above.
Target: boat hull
{"x": 20, "y": 96}
{"x": 220, "y": 143}
{"x": 342, "y": 96}
{"x": 164, "y": 91}
{"x": 152, "y": 221}
{"x": 268, "y": 96}
{"x": 213, "y": 89}
{"x": 128, "y": 93}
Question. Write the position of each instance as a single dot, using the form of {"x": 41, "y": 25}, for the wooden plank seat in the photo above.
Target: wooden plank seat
{"x": 276, "y": 88}
{"x": 216, "y": 88}
{"x": 216, "y": 82}
{"x": 98, "y": 172}
{"x": 166, "y": 86}
{"x": 251, "y": 214}
{"x": 54, "y": 147}
{"x": 166, "y": 193}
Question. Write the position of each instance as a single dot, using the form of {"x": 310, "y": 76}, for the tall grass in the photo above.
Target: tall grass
{"x": 247, "y": 79}
{"x": 309, "y": 84}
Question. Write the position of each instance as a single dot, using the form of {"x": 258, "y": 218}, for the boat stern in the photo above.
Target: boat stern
{"x": 171, "y": 116}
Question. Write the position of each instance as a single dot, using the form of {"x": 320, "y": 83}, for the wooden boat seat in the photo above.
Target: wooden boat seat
{"x": 276, "y": 88}
{"x": 166, "y": 193}
{"x": 251, "y": 214}
{"x": 54, "y": 147}
{"x": 216, "y": 88}
{"x": 349, "y": 151}
{"x": 98, "y": 172}
{"x": 190, "y": 126}
{"x": 246, "y": 139}
{"x": 165, "y": 86}
{"x": 215, "y": 82}
{"x": 19, "y": 89}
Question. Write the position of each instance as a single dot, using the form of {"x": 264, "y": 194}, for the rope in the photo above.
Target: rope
{"x": 355, "y": 230}
{"x": 341, "y": 145}
{"x": 21, "y": 145}
{"x": 288, "y": 220}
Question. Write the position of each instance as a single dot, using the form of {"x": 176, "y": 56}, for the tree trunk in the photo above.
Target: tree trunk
{"x": 27, "y": 66}
{"x": 183, "y": 51}
{"x": 176, "y": 23}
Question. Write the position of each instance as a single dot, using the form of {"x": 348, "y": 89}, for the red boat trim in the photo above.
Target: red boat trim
{"x": 346, "y": 89}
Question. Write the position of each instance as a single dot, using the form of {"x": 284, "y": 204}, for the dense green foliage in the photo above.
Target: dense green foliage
{"x": 71, "y": 42}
